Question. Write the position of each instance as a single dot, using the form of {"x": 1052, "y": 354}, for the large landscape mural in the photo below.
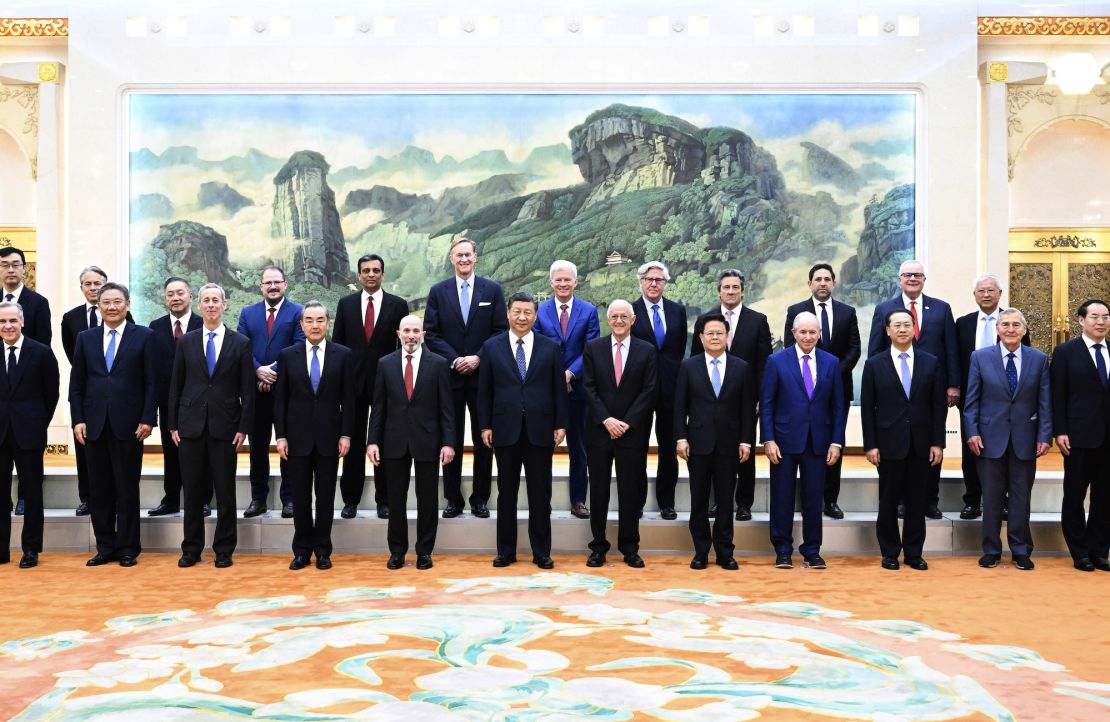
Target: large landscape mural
{"x": 222, "y": 184}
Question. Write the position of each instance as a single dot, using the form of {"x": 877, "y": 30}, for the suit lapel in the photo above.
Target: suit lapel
{"x": 125, "y": 341}
{"x": 895, "y": 375}
{"x": 223, "y": 349}
{"x": 20, "y": 365}
{"x": 475, "y": 297}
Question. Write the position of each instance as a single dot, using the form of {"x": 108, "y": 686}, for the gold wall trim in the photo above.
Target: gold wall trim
{"x": 996, "y": 26}
{"x": 34, "y": 27}
{"x": 57, "y": 449}
{"x": 1055, "y": 240}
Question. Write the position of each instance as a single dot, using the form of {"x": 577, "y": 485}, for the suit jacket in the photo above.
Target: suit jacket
{"x": 420, "y": 426}
{"x": 1080, "y": 405}
{"x": 446, "y": 334}
{"x": 220, "y": 406}
{"x": 709, "y": 422}
{"x": 632, "y": 402}
{"x": 845, "y": 343}
{"x": 893, "y": 424}
{"x": 287, "y": 330}
{"x": 967, "y": 341}
{"x": 167, "y": 347}
{"x": 74, "y": 321}
{"x": 788, "y": 417}
{"x": 311, "y": 420}
{"x": 991, "y": 413}
{"x": 36, "y": 315}
{"x": 582, "y": 327}
{"x": 937, "y": 334}
{"x": 669, "y": 358}
{"x": 504, "y": 399}
{"x": 125, "y": 396}
{"x": 349, "y": 331}
{"x": 29, "y": 396}
{"x": 751, "y": 341}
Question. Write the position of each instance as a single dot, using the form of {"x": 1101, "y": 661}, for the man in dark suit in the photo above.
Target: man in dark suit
{"x": 1008, "y": 416}
{"x": 618, "y": 382}
{"x": 412, "y": 424}
{"x": 934, "y": 332}
{"x": 572, "y": 323}
{"x": 1081, "y": 424}
{"x": 28, "y": 397}
{"x": 168, "y": 330}
{"x": 314, "y": 414}
{"x": 366, "y": 322}
{"x": 270, "y": 325}
{"x": 801, "y": 417}
{"x": 840, "y": 337}
{"x": 113, "y": 402}
{"x": 715, "y": 433}
{"x": 902, "y": 408}
{"x": 464, "y": 312}
{"x": 662, "y": 323}
{"x": 749, "y": 339}
{"x": 211, "y": 399}
{"x": 522, "y": 412}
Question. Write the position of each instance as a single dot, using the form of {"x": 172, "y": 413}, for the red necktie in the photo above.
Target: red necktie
{"x": 916, "y": 328}
{"x": 408, "y": 376}
{"x": 618, "y": 364}
{"x": 270, "y": 322}
{"x": 177, "y": 333}
{"x": 564, "y": 320}
{"x": 368, "y": 324}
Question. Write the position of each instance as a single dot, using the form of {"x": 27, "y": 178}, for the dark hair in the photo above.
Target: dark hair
{"x": 890, "y": 313}
{"x": 12, "y": 249}
{"x": 113, "y": 286}
{"x": 822, "y": 267}
{"x": 731, "y": 273}
{"x": 1082, "y": 312}
{"x": 272, "y": 268}
{"x": 713, "y": 317}
{"x": 177, "y": 279}
{"x": 523, "y": 297}
{"x": 367, "y": 258}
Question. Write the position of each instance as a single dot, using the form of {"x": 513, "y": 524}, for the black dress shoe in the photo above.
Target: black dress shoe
{"x": 580, "y": 511}
{"x": 349, "y": 511}
{"x": 728, "y": 563}
{"x": 782, "y": 561}
{"x": 543, "y": 562}
{"x": 970, "y": 512}
{"x": 101, "y": 559}
{"x": 990, "y": 561}
{"x": 932, "y": 512}
{"x": 423, "y": 561}
{"x": 919, "y": 564}
{"x": 1101, "y": 563}
{"x": 323, "y": 562}
{"x": 504, "y": 561}
{"x": 743, "y": 513}
{"x": 633, "y": 560}
{"x": 668, "y": 513}
{"x": 128, "y": 561}
{"x": 188, "y": 560}
{"x": 20, "y": 507}
{"x": 223, "y": 560}
{"x": 901, "y": 511}
{"x": 1083, "y": 564}
{"x": 698, "y": 563}
{"x": 890, "y": 563}
{"x": 163, "y": 510}
{"x": 480, "y": 510}
{"x": 383, "y": 511}
{"x": 255, "y": 508}
{"x": 206, "y": 510}
{"x": 82, "y": 509}
{"x": 29, "y": 559}
{"x": 299, "y": 563}
{"x": 814, "y": 561}
{"x": 1023, "y": 562}
{"x": 452, "y": 510}
{"x": 396, "y": 561}
{"x": 596, "y": 559}
{"x": 712, "y": 511}
{"x": 287, "y": 510}
{"x": 833, "y": 511}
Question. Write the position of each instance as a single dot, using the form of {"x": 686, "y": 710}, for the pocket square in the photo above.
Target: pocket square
{"x": 1033, "y": 417}
{"x": 484, "y": 303}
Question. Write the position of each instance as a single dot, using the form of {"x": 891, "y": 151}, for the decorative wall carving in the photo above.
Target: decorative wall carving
{"x": 19, "y": 114}
{"x": 1065, "y": 242}
{"x": 34, "y": 27}
{"x": 1085, "y": 280}
{"x": 1031, "y": 108}
{"x": 1058, "y": 25}
{"x": 1031, "y": 291}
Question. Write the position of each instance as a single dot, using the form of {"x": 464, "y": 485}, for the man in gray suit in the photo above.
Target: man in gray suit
{"x": 1008, "y": 416}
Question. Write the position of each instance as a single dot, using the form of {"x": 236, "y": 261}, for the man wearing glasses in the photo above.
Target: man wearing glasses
{"x": 934, "y": 331}
{"x": 662, "y": 323}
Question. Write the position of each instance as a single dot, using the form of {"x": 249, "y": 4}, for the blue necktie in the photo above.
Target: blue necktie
{"x": 110, "y": 355}
{"x": 210, "y": 353}
{"x": 906, "y": 378}
{"x": 314, "y": 369}
{"x": 1100, "y": 364}
{"x": 1011, "y": 373}
{"x": 658, "y": 323}
{"x": 520, "y": 362}
{"x": 826, "y": 333}
{"x": 464, "y": 300}
{"x": 715, "y": 377}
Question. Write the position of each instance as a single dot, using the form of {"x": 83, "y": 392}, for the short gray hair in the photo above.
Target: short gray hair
{"x": 5, "y": 305}
{"x": 1013, "y": 312}
{"x": 805, "y": 317}
{"x": 562, "y": 265}
{"x": 212, "y": 287}
{"x": 91, "y": 269}
{"x": 317, "y": 304}
{"x": 642, "y": 270}
{"x": 908, "y": 261}
{"x": 620, "y": 302}
{"x": 987, "y": 277}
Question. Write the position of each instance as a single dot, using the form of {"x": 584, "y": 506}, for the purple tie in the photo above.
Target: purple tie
{"x": 807, "y": 375}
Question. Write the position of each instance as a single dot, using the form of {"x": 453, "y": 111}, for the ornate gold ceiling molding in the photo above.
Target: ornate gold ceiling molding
{"x": 34, "y": 27}
{"x": 1019, "y": 26}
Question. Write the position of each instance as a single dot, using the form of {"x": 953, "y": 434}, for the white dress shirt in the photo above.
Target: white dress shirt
{"x": 627, "y": 341}
{"x": 528, "y": 338}
{"x": 735, "y": 318}
{"x": 415, "y": 362}
{"x": 828, "y": 309}
{"x": 377, "y": 296}
{"x": 14, "y": 294}
{"x": 108, "y": 338}
{"x": 709, "y": 359}
{"x": 319, "y": 354}
{"x": 91, "y": 307}
{"x": 651, "y": 315}
{"x": 812, "y": 362}
{"x": 559, "y": 308}
{"x": 18, "y": 345}
{"x": 1017, "y": 357}
{"x": 218, "y": 339}
{"x": 919, "y": 306}
{"x": 980, "y": 322}
{"x": 896, "y": 355}
{"x": 183, "y": 320}
{"x": 458, "y": 287}
{"x": 1090, "y": 349}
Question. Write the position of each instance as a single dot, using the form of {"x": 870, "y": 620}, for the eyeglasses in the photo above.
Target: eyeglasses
{"x": 913, "y": 275}
{"x": 619, "y": 318}
{"x": 1092, "y": 317}
{"x": 653, "y": 280}
{"x": 9, "y": 266}
{"x": 273, "y": 284}
{"x": 113, "y": 303}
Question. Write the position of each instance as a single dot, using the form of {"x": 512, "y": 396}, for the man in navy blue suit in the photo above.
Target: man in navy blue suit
{"x": 522, "y": 412}
{"x": 571, "y": 322}
{"x": 463, "y": 312}
{"x": 113, "y": 401}
{"x": 271, "y": 325}
{"x": 934, "y": 331}
{"x": 801, "y": 416}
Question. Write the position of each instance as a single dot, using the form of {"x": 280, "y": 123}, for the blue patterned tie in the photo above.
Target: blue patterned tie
{"x": 826, "y": 332}
{"x": 110, "y": 355}
{"x": 715, "y": 377}
{"x": 210, "y": 353}
{"x": 314, "y": 369}
{"x": 1011, "y": 373}
{"x": 906, "y": 377}
{"x": 464, "y": 300}
{"x": 660, "y": 332}
{"x": 1100, "y": 364}
{"x": 520, "y": 362}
